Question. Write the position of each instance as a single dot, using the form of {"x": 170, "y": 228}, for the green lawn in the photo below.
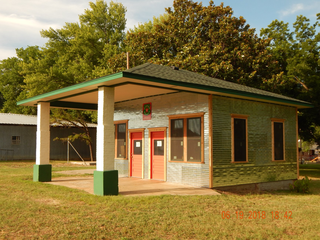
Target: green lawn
{"x": 30, "y": 210}
{"x": 310, "y": 170}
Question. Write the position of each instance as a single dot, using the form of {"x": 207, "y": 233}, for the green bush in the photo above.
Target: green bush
{"x": 301, "y": 186}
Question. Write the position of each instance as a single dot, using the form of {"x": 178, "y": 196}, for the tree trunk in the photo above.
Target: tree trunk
{"x": 91, "y": 153}
{"x": 90, "y": 143}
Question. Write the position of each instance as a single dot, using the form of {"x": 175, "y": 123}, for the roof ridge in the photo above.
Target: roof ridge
{"x": 139, "y": 67}
{"x": 207, "y": 80}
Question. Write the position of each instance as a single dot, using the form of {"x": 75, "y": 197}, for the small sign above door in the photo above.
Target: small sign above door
{"x": 147, "y": 111}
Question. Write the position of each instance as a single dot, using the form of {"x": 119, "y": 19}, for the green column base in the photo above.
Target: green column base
{"x": 42, "y": 173}
{"x": 105, "y": 182}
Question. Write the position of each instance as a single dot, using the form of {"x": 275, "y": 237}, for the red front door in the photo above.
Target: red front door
{"x": 157, "y": 155}
{"x": 136, "y": 155}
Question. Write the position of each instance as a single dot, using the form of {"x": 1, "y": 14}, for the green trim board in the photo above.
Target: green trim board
{"x": 73, "y": 87}
{"x": 106, "y": 182}
{"x": 156, "y": 74}
{"x": 42, "y": 173}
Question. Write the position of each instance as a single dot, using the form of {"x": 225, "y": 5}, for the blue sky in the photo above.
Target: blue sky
{"x": 260, "y": 13}
{"x": 22, "y": 20}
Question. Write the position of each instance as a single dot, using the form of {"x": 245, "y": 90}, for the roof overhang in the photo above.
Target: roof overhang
{"x": 129, "y": 86}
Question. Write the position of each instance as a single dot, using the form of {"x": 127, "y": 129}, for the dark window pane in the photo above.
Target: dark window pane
{"x": 137, "y": 147}
{"x": 121, "y": 140}
{"x": 158, "y": 148}
{"x": 240, "y": 140}
{"x": 15, "y": 140}
{"x": 194, "y": 139}
{"x": 122, "y": 128}
{"x": 177, "y": 139}
{"x": 278, "y": 140}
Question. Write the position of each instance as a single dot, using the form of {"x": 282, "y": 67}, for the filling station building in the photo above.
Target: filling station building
{"x": 164, "y": 123}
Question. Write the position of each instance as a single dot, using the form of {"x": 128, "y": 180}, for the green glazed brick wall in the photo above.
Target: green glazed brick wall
{"x": 260, "y": 168}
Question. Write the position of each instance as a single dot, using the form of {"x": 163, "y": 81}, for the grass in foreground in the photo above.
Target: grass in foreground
{"x": 310, "y": 170}
{"x": 37, "y": 210}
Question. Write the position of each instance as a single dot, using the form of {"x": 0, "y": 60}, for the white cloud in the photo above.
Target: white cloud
{"x": 5, "y": 53}
{"x": 140, "y": 11}
{"x": 308, "y": 9}
{"x": 21, "y": 20}
{"x": 293, "y": 9}
{"x": 14, "y": 20}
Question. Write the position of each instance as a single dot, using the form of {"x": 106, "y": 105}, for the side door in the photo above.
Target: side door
{"x": 157, "y": 150}
{"x": 136, "y": 153}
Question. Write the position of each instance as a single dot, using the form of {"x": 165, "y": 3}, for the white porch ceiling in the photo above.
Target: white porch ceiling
{"x": 122, "y": 93}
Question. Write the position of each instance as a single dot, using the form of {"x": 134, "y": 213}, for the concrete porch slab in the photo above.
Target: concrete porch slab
{"x": 131, "y": 186}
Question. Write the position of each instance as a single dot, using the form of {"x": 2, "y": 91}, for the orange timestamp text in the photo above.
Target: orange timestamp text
{"x": 256, "y": 215}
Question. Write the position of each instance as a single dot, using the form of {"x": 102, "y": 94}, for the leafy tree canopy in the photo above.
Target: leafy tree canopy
{"x": 12, "y": 86}
{"x": 298, "y": 54}
{"x": 73, "y": 52}
{"x": 203, "y": 39}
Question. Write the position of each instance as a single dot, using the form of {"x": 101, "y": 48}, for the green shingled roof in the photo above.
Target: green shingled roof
{"x": 184, "y": 76}
{"x": 161, "y": 77}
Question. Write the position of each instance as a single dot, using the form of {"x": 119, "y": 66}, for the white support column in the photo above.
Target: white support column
{"x": 105, "y": 129}
{"x": 43, "y": 134}
{"x": 42, "y": 169}
{"x": 105, "y": 178}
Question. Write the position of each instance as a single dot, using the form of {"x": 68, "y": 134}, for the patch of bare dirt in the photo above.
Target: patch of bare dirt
{"x": 48, "y": 201}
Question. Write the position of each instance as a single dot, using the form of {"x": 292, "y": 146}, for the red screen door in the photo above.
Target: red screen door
{"x": 157, "y": 155}
{"x": 136, "y": 154}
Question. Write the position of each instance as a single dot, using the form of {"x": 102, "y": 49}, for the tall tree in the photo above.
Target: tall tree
{"x": 12, "y": 84}
{"x": 73, "y": 52}
{"x": 1, "y": 100}
{"x": 298, "y": 53}
{"x": 203, "y": 39}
